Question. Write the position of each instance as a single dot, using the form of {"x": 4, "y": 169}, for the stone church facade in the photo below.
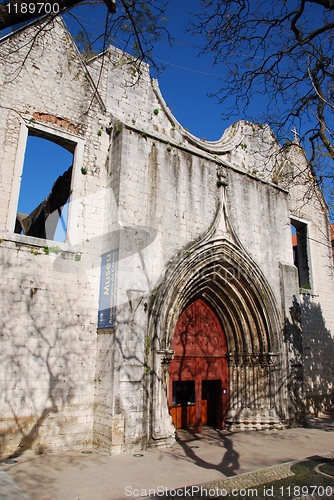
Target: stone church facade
{"x": 175, "y": 299}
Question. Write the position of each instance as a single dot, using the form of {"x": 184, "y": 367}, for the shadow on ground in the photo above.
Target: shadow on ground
{"x": 229, "y": 464}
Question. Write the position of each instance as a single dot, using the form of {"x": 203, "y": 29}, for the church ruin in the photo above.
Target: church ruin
{"x": 176, "y": 298}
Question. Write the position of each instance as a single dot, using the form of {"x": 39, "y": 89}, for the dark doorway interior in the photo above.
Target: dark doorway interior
{"x": 184, "y": 393}
{"x": 212, "y": 394}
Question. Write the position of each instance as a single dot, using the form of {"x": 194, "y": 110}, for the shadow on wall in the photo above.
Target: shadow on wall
{"x": 311, "y": 352}
{"x": 42, "y": 362}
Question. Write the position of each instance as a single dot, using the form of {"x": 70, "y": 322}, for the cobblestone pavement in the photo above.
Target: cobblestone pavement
{"x": 267, "y": 483}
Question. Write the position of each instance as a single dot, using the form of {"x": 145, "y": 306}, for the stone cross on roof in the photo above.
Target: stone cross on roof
{"x": 294, "y": 130}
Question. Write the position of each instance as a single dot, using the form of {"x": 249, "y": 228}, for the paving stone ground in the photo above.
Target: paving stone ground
{"x": 235, "y": 462}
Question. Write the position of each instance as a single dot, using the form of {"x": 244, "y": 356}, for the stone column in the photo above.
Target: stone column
{"x": 233, "y": 381}
{"x": 263, "y": 381}
{"x": 241, "y": 381}
{"x": 272, "y": 363}
{"x": 256, "y": 375}
{"x": 250, "y": 379}
{"x": 162, "y": 426}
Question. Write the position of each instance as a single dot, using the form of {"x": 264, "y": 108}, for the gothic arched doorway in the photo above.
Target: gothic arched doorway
{"x": 198, "y": 374}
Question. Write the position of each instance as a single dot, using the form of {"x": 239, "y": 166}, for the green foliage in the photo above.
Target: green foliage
{"x": 77, "y": 257}
{"x": 84, "y": 171}
{"x": 118, "y": 127}
{"x": 153, "y": 296}
{"x": 156, "y": 111}
{"x": 274, "y": 178}
{"x": 33, "y": 251}
{"x": 46, "y": 250}
{"x": 55, "y": 249}
{"x": 147, "y": 345}
{"x": 84, "y": 45}
{"x": 287, "y": 145}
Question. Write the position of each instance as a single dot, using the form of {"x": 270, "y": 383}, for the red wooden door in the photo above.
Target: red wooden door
{"x": 200, "y": 354}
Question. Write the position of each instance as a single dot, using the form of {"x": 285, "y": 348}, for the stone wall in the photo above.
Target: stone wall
{"x": 49, "y": 298}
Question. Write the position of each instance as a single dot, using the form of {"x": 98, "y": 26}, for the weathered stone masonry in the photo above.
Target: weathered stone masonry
{"x": 189, "y": 219}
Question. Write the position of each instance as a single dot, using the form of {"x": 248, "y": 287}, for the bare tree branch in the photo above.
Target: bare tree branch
{"x": 282, "y": 52}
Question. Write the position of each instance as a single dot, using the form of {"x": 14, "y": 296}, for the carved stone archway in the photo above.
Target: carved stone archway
{"x": 233, "y": 286}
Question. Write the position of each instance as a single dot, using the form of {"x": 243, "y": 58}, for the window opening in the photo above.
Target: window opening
{"x": 300, "y": 253}
{"x": 45, "y": 187}
{"x": 184, "y": 392}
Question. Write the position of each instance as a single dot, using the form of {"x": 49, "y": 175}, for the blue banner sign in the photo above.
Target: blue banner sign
{"x": 107, "y": 289}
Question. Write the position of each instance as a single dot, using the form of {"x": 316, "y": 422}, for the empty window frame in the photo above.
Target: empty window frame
{"x": 45, "y": 186}
{"x": 300, "y": 253}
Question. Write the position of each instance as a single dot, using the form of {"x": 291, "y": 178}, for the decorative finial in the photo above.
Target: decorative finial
{"x": 222, "y": 177}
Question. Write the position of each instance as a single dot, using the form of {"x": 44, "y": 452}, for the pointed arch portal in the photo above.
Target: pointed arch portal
{"x": 220, "y": 282}
{"x": 198, "y": 374}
